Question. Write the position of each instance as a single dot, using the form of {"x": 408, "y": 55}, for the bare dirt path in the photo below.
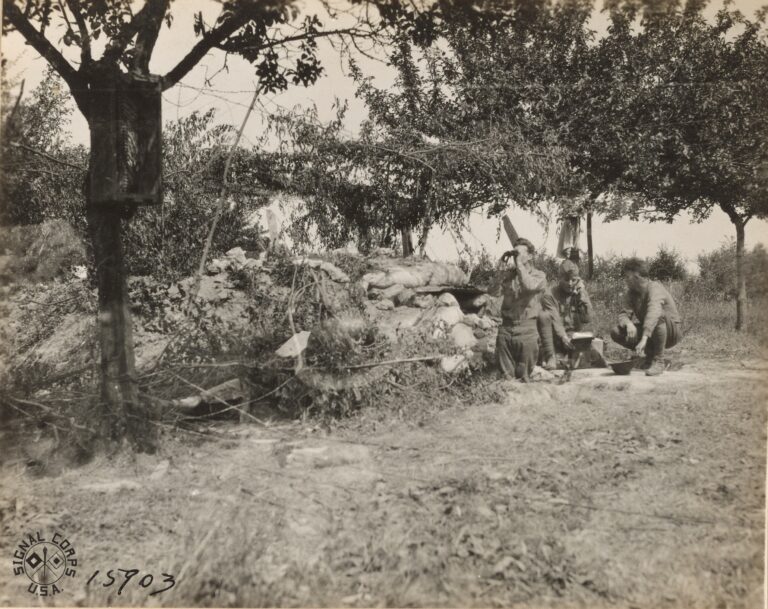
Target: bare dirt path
{"x": 606, "y": 491}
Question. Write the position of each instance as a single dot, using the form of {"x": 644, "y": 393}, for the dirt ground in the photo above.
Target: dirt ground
{"x": 605, "y": 491}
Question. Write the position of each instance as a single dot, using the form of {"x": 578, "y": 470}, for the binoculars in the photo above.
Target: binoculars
{"x": 506, "y": 255}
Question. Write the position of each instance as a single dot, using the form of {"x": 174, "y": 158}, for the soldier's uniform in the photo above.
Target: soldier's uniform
{"x": 657, "y": 319}
{"x": 564, "y": 313}
{"x": 517, "y": 344}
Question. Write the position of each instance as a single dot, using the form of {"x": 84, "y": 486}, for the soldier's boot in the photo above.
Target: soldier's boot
{"x": 657, "y": 367}
{"x": 646, "y": 364}
{"x": 549, "y": 363}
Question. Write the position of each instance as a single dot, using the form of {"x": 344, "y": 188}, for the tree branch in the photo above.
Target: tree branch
{"x": 147, "y": 36}
{"x": 352, "y": 32}
{"x": 732, "y": 214}
{"x": 211, "y": 39}
{"x": 42, "y": 45}
{"x": 215, "y": 39}
{"x": 119, "y": 43}
{"x": 48, "y": 156}
{"x": 85, "y": 38}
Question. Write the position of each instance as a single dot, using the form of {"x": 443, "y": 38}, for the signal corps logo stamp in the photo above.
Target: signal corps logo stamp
{"x": 45, "y": 562}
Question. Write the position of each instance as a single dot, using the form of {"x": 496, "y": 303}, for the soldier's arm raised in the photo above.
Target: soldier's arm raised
{"x": 531, "y": 280}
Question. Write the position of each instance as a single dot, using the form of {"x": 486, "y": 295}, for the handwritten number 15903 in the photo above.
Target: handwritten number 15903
{"x": 145, "y": 581}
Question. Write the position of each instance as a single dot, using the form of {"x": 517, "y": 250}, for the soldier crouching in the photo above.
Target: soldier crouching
{"x": 649, "y": 322}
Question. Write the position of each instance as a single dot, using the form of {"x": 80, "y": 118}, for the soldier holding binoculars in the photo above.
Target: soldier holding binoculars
{"x": 517, "y": 344}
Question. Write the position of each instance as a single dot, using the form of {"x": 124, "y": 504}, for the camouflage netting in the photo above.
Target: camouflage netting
{"x": 347, "y": 313}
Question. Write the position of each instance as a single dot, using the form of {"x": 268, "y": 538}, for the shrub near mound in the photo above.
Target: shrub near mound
{"x": 199, "y": 333}
{"x": 39, "y": 252}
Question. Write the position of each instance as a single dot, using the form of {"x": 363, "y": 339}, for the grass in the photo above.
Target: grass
{"x": 443, "y": 492}
{"x": 566, "y": 495}
{"x": 708, "y": 320}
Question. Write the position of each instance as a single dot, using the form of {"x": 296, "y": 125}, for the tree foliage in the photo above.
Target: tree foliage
{"x": 459, "y": 130}
{"x": 695, "y": 105}
{"x": 43, "y": 171}
{"x": 160, "y": 239}
{"x": 716, "y": 270}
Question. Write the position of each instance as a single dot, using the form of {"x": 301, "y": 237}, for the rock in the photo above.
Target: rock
{"x": 413, "y": 273}
{"x": 444, "y": 316}
{"x": 148, "y": 346}
{"x": 472, "y": 319}
{"x": 174, "y": 293}
{"x": 453, "y": 364}
{"x": 215, "y": 266}
{"x": 447, "y": 300}
{"x": 372, "y": 280}
{"x": 392, "y": 292}
{"x": 333, "y": 272}
{"x": 405, "y": 297}
{"x": 482, "y": 345}
{"x": 402, "y": 318}
{"x": 463, "y": 336}
{"x": 67, "y": 346}
{"x": 236, "y": 258}
{"x": 486, "y": 323}
{"x": 80, "y": 272}
{"x": 213, "y": 288}
{"x": 189, "y": 403}
{"x": 426, "y": 301}
{"x": 476, "y": 321}
{"x": 228, "y": 391}
{"x": 294, "y": 345}
{"x": 404, "y": 276}
{"x": 385, "y": 305}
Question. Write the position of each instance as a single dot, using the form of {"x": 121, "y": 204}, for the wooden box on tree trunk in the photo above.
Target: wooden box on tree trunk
{"x": 126, "y": 143}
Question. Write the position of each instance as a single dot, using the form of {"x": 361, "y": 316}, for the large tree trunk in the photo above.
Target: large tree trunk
{"x": 741, "y": 283}
{"x": 124, "y": 415}
{"x": 590, "y": 250}
{"x": 124, "y": 172}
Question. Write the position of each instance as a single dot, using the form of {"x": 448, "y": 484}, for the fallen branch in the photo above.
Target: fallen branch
{"x": 426, "y": 358}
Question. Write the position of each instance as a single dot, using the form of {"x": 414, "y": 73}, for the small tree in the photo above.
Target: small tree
{"x": 42, "y": 171}
{"x": 667, "y": 265}
{"x": 694, "y": 102}
{"x": 270, "y": 35}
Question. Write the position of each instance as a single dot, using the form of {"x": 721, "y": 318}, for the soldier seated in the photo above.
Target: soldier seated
{"x": 566, "y": 308}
